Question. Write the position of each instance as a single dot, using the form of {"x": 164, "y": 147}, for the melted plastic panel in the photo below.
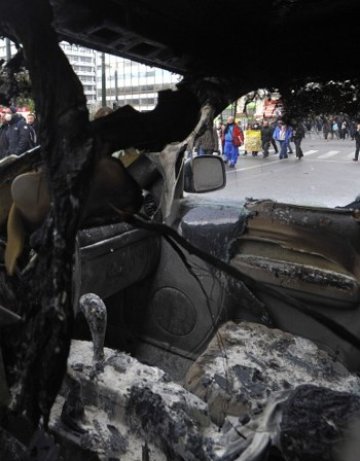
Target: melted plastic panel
{"x": 177, "y": 310}
{"x": 113, "y": 257}
{"x": 312, "y": 251}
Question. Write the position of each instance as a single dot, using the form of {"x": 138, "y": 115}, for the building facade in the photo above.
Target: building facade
{"x": 129, "y": 82}
{"x": 111, "y": 80}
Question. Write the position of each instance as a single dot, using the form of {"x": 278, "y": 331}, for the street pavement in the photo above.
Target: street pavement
{"x": 325, "y": 176}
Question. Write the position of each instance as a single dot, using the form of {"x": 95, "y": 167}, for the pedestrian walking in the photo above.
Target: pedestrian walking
{"x": 298, "y": 136}
{"x": 282, "y": 134}
{"x": 273, "y": 142}
{"x": 352, "y": 129}
{"x": 318, "y": 125}
{"x": 233, "y": 138}
{"x": 266, "y": 137}
{"x": 326, "y": 129}
{"x": 255, "y": 127}
{"x": 220, "y": 129}
{"x": 290, "y": 151}
{"x": 17, "y": 132}
{"x": 3, "y": 139}
{"x": 343, "y": 130}
{"x": 334, "y": 130}
{"x": 34, "y": 129}
{"x": 247, "y": 129}
{"x": 207, "y": 142}
{"x": 357, "y": 142}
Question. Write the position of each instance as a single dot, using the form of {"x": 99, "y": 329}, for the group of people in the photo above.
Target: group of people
{"x": 226, "y": 139}
{"x": 17, "y": 134}
{"x": 284, "y": 133}
{"x": 279, "y": 135}
{"x": 231, "y": 137}
{"x": 332, "y": 127}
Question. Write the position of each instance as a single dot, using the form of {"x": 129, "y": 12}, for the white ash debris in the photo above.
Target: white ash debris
{"x": 230, "y": 407}
{"x": 252, "y": 362}
{"x": 140, "y": 405}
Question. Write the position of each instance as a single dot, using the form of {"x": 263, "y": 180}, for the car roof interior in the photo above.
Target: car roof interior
{"x": 242, "y": 43}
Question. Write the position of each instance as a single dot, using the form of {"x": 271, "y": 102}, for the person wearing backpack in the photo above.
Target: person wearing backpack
{"x": 233, "y": 138}
{"x": 335, "y": 129}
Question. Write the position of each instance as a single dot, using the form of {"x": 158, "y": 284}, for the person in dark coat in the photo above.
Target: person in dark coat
{"x": 17, "y": 133}
{"x": 298, "y": 136}
{"x": 352, "y": 129}
{"x": 266, "y": 137}
{"x": 3, "y": 140}
{"x": 357, "y": 142}
{"x": 326, "y": 129}
{"x": 207, "y": 143}
{"x": 273, "y": 142}
{"x": 34, "y": 129}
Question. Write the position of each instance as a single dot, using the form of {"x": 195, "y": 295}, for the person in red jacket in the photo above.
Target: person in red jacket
{"x": 233, "y": 138}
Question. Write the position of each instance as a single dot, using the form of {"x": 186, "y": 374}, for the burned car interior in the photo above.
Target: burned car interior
{"x": 140, "y": 319}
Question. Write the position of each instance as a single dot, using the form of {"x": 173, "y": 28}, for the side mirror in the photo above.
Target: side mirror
{"x": 205, "y": 173}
